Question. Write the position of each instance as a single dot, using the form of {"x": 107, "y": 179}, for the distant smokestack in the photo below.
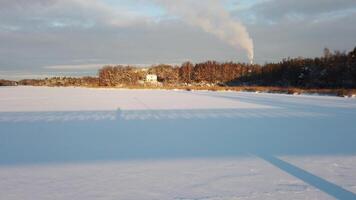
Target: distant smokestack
{"x": 211, "y": 16}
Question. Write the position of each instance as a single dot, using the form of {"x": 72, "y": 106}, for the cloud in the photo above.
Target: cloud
{"x": 75, "y": 67}
{"x": 38, "y": 33}
{"x": 292, "y": 28}
{"x": 6, "y": 4}
{"x": 41, "y": 14}
{"x": 213, "y": 18}
{"x": 303, "y": 38}
{"x": 167, "y": 42}
{"x": 279, "y": 9}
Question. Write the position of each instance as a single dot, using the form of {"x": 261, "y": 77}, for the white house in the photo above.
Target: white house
{"x": 151, "y": 78}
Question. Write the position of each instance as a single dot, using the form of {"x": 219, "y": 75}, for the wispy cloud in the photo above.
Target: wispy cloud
{"x": 75, "y": 67}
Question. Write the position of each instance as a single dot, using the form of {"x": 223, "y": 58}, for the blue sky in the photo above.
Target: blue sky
{"x": 78, "y": 36}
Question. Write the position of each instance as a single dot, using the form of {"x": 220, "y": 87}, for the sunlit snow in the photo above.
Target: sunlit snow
{"x": 76, "y": 143}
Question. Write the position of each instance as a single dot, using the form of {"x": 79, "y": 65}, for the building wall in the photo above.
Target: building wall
{"x": 151, "y": 78}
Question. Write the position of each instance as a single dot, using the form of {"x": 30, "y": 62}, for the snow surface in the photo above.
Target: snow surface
{"x": 338, "y": 169}
{"x": 76, "y": 143}
{"x": 25, "y": 99}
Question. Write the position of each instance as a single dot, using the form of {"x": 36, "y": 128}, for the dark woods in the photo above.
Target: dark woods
{"x": 333, "y": 70}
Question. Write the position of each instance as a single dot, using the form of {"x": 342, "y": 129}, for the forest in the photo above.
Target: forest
{"x": 330, "y": 71}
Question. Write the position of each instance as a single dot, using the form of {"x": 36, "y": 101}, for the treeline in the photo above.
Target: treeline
{"x": 333, "y": 70}
{"x": 62, "y": 82}
{"x": 210, "y": 72}
{"x": 111, "y": 76}
{"x": 7, "y": 83}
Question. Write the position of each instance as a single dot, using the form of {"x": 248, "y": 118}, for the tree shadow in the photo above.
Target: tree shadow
{"x": 318, "y": 182}
{"x": 42, "y": 137}
{"x": 88, "y": 136}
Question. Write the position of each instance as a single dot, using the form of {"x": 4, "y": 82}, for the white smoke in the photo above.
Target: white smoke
{"x": 212, "y": 17}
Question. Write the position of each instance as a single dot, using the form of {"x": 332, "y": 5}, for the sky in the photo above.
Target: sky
{"x": 76, "y": 37}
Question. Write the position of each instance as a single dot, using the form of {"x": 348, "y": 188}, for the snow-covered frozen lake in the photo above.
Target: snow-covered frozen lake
{"x": 76, "y": 143}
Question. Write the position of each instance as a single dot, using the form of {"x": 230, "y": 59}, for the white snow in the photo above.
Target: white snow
{"x": 26, "y": 99}
{"x": 339, "y": 169}
{"x": 77, "y": 143}
{"x": 234, "y": 178}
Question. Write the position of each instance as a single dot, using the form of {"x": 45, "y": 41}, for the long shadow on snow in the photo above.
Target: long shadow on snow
{"x": 318, "y": 182}
{"x": 286, "y": 102}
{"x": 168, "y": 135}
{"x": 338, "y": 117}
{"x": 61, "y": 137}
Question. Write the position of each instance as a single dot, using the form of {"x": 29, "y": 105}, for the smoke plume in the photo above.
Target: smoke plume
{"x": 212, "y": 17}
